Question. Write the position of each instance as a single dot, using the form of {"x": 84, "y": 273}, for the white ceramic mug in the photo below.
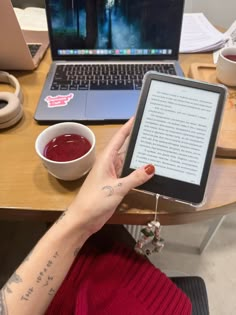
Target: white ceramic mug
{"x": 226, "y": 68}
{"x": 68, "y": 170}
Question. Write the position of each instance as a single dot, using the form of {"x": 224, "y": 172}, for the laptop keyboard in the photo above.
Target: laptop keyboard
{"x": 33, "y": 48}
{"x": 105, "y": 76}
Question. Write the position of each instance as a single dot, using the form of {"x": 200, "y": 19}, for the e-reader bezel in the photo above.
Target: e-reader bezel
{"x": 172, "y": 188}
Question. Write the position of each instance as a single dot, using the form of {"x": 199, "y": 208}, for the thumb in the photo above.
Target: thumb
{"x": 139, "y": 176}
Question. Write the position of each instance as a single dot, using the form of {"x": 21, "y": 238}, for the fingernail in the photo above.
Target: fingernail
{"x": 149, "y": 169}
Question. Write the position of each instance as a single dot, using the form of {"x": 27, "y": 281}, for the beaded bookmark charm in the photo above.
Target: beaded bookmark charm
{"x": 150, "y": 240}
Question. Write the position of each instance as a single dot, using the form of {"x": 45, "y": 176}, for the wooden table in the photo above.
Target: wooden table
{"x": 27, "y": 191}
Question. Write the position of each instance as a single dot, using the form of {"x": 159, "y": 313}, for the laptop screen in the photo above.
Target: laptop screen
{"x": 120, "y": 29}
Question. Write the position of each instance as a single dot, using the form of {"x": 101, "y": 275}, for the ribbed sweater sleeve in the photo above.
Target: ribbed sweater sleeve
{"x": 117, "y": 282}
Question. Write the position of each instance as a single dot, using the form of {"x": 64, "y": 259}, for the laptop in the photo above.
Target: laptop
{"x": 100, "y": 52}
{"x": 19, "y": 49}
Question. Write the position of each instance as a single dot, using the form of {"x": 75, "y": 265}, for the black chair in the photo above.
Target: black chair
{"x": 195, "y": 289}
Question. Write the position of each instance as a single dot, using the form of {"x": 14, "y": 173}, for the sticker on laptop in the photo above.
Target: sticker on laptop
{"x": 58, "y": 100}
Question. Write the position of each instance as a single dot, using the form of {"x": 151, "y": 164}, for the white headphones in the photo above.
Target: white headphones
{"x": 10, "y": 103}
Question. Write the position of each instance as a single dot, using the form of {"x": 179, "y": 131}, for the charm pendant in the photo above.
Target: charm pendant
{"x": 150, "y": 241}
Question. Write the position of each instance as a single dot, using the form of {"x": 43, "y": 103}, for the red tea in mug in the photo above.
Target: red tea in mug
{"x": 231, "y": 57}
{"x": 66, "y": 147}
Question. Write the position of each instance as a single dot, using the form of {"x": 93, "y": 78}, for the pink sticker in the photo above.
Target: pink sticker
{"x": 58, "y": 100}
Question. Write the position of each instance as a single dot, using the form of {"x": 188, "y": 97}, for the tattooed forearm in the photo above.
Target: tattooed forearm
{"x": 3, "y": 305}
{"x": 43, "y": 278}
{"x": 110, "y": 190}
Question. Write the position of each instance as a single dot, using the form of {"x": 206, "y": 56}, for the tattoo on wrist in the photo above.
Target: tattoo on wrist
{"x": 110, "y": 190}
{"x": 3, "y": 304}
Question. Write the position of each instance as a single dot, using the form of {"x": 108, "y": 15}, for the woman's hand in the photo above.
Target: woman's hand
{"x": 103, "y": 190}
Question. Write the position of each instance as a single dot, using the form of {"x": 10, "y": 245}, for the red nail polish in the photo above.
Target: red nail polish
{"x": 149, "y": 169}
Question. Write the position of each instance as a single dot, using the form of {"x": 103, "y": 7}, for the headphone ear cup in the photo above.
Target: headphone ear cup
{"x": 12, "y": 121}
{"x": 12, "y": 107}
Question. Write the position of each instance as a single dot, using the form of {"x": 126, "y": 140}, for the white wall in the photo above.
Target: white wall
{"x": 219, "y": 12}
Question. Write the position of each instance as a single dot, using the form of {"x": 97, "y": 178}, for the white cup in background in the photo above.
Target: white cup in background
{"x": 68, "y": 170}
{"x": 225, "y": 67}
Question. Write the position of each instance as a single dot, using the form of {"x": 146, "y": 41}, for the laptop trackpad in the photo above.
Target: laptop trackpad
{"x": 111, "y": 104}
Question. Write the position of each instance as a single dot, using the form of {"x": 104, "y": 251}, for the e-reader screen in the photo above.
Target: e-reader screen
{"x": 175, "y": 129}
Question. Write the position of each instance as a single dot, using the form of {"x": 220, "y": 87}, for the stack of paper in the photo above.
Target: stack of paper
{"x": 198, "y": 34}
{"x": 230, "y": 35}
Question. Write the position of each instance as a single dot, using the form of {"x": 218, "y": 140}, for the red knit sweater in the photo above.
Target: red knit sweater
{"x": 119, "y": 282}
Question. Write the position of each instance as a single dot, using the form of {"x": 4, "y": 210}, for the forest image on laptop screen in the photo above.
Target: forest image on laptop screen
{"x": 115, "y": 27}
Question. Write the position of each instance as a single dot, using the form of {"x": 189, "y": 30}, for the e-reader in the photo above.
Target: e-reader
{"x": 175, "y": 129}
